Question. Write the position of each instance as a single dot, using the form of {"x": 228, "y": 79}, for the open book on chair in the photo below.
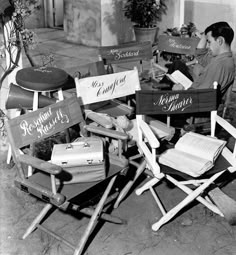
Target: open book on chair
{"x": 178, "y": 77}
{"x": 193, "y": 154}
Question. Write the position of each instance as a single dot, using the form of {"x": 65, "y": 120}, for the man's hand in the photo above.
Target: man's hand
{"x": 203, "y": 42}
{"x": 178, "y": 86}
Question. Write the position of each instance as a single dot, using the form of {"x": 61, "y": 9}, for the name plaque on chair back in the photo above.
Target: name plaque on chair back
{"x": 45, "y": 122}
{"x": 175, "y": 102}
{"x": 126, "y": 52}
{"x": 176, "y": 44}
{"x": 106, "y": 87}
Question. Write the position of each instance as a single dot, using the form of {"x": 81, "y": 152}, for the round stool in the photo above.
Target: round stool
{"x": 42, "y": 79}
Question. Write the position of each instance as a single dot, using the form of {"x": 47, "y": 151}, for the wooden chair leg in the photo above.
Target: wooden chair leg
{"x": 93, "y": 220}
{"x": 200, "y": 199}
{"x": 147, "y": 186}
{"x": 130, "y": 183}
{"x": 37, "y": 220}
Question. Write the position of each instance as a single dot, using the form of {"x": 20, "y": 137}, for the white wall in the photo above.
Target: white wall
{"x": 115, "y": 28}
{"x": 172, "y": 17}
{"x": 206, "y": 12}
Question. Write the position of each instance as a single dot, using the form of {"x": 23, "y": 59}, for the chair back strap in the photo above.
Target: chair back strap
{"x": 45, "y": 122}
{"x": 176, "y": 44}
{"x": 106, "y": 87}
{"x": 175, "y": 102}
{"x": 126, "y": 52}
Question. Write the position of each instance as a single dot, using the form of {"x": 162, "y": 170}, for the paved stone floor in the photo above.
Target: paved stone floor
{"x": 194, "y": 231}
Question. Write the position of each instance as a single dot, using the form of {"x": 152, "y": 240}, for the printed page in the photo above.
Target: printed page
{"x": 184, "y": 162}
{"x": 199, "y": 145}
{"x": 178, "y": 77}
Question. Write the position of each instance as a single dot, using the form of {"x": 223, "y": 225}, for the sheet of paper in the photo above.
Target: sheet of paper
{"x": 178, "y": 77}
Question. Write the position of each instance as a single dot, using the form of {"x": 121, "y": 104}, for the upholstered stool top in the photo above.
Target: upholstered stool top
{"x": 41, "y": 78}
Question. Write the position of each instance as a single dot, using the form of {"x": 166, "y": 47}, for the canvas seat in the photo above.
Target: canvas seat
{"x": 35, "y": 127}
{"x": 199, "y": 188}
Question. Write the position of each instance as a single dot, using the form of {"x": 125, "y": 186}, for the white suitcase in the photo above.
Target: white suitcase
{"x": 82, "y": 159}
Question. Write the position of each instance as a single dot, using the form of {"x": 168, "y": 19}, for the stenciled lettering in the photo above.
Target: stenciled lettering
{"x": 45, "y": 123}
{"x": 173, "y": 102}
{"x": 123, "y": 54}
{"x": 108, "y": 89}
{"x": 42, "y": 69}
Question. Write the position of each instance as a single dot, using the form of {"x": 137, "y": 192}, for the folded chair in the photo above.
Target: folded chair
{"x": 46, "y": 123}
{"x": 201, "y": 187}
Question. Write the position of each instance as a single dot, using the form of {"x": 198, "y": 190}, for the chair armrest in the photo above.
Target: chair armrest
{"x": 148, "y": 134}
{"x": 107, "y": 132}
{"x": 39, "y": 191}
{"x": 40, "y": 164}
{"x": 101, "y": 119}
{"x": 226, "y": 125}
{"x": 162, "y": 68}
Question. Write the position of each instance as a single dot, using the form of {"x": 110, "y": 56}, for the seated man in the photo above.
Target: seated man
{"x": 214, "y": 60}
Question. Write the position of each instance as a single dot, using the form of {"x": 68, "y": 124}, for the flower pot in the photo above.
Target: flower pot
{"x": 145, "y": 34}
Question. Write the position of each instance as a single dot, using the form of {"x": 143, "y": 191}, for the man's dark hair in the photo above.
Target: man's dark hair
{"x": 221, "y": 29}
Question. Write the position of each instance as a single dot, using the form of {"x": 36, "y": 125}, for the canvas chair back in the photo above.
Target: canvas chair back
{"x": 37, "y": 125}
{"x": 134, "y": 51}
{"x": 176, "y": 44}
{"x": 126, "y": 53}
{"x": 175, "y": 102}
{"x": 106, "y": 87}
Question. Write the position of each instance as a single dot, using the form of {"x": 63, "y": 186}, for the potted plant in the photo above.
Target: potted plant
{"x": 145, "y": 15}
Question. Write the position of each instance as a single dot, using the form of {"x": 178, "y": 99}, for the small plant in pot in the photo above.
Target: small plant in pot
{"x": 145, "y": 14}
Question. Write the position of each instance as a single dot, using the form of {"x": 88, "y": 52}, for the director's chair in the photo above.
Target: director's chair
{"x": 100, "y": 95}
{"x": 180, "y": 47}
{"x": 43, "y": 124}
{"x": 126, "y": 56}
{"x": 179, "y": 102}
